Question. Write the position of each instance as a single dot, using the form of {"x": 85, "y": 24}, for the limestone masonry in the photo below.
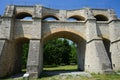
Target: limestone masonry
{"x": 95, "y": 31}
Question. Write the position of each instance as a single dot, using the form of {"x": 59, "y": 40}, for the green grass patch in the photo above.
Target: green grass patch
{"x": 94, "y": 77}
{"x": 119, "y": 71}
{"x": 69, "y": 77}
{"x": 106, "y": 76}
{"x": 60, "y": 68}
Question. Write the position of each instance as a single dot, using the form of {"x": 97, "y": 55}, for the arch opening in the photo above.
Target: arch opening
{"x": 79, "y": 46}
{"x": 60, "y": 52}
{"x": 50, "y": 18}
{"x": 76, "y": 18}
{"x": 22, "y": 47}
{"x": 24, "y": 16}
{"x": 101, "y": 18}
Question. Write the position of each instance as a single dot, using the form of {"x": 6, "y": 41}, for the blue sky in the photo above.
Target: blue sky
{"x": 65, "y": 4}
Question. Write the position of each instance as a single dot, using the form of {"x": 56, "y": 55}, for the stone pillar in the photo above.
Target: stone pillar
{"x": 114, "y": 29}
{"x": 81, "y": 55}
{"x": 2, "y": 42}
{"x": 2, "y": 66}
{"x": 63, "y": 15}
{"x": 7, "y": 22}
{"x": 6, "y": 43}
{"x": 96, "y": 59}
{"x": 7, "y": 55}
{"x": 112, "y": 15}
{"x": 35, "y": 58}
{"x": 37, "y": 23}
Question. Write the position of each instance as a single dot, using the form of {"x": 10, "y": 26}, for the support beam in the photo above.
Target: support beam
{"x": 81, "y": 55}
{"x": 2, "y": 43}
{"x": 96, "y": 58}
{"x": 7, "y": 55}
{"x": 115, "y": 44}
{"x": 34, "y": 63}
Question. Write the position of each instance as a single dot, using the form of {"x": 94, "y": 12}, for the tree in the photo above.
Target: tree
{"x": 57, "y": 51}
{"x": 25, "y": 48}
{"x": 73, "y": 56}
{"x": 52, "y": 52}
{"x": 66, "y": 52}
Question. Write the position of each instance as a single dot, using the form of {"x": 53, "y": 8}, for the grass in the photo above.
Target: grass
{"x": 106, "y": 77}
{"x": 119, "y": 71}
{"x": 60, "y": 68}
{"x": 94, "y": 77}
{"x": 69, "y": 77}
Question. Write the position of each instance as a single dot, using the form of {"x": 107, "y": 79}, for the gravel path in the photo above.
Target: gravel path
{"x": 67, "y": 73}
{"x": 58, "y": 73}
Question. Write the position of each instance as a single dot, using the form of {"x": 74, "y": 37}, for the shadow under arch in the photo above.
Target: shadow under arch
{"x": 53, "y": 17}
{"x": 20, "y": 44}
{"x": 80, "y": 41}
{"x": 23, "y": 15}
{"x": 77, "y": 18}
{"x": 100, "y": 17}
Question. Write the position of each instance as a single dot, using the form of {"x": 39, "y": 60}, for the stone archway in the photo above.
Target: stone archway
{"x": 19, "y": 46}
{"x": 81, "y": 43}
{"x": 87, "y": 31}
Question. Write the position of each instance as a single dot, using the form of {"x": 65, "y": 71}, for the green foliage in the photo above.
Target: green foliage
{"x": 73, "y": 56}
{"x": 66, "y": 49}
{"x": 52, "y": 52}
{"x": 59, "y": 51}
{"x": 56, "y": 52}
{"x": 24, "y": 54}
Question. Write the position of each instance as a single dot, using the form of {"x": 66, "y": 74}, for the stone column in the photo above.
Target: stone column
{"x": 7, "y": 55}
{"x": 114, "y": 28}
{"x": 8, "y": 22}
{"x": 2, "y": 43}
{"x": 6, "y": 47}
{"x": 35, "y": 57}
{"x": 63, "y": 15}
{"x": 2, "y": 66}
{"x": 34, "y": 63}
{"x": 81, "y": 55}
{"x": 37, "y": 22}
{"x": 96, "y": 59}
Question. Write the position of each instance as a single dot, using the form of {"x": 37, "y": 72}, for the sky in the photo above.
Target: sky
{"x": 65, "y": 4}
